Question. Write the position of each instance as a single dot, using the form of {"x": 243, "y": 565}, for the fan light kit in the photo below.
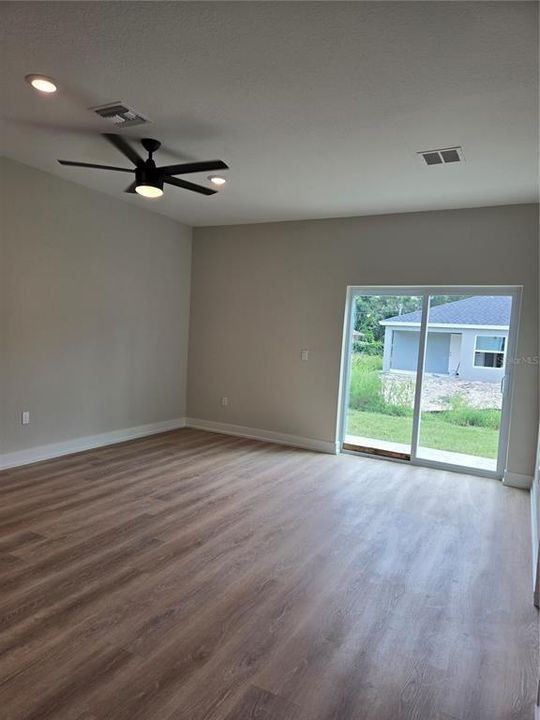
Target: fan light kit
{"x": 149, "y": 178}
{"x": 149, "y": 191}
{"x": 41, "y": 83}
{"x": 217, "y": 179}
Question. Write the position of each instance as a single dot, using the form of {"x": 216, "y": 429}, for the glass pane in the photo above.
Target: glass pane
{"x": 489, "y": 342}
{"x": 495, "y": 360}
{"x": 461, "y": 402}
{"x": 382, "y": 380}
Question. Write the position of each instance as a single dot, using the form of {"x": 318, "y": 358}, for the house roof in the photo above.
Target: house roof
{"x": 483, "y": 310}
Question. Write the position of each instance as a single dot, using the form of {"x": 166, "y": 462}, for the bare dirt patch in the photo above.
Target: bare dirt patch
{"x": 437, "y": 389}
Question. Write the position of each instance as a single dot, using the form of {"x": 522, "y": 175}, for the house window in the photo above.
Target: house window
{"x": 489, "y": 351}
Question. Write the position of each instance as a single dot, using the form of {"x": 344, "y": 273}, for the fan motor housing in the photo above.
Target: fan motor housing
{"x": 148, "y": 174}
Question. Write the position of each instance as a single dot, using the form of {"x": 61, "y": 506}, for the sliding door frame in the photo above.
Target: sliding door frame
{"x": 425, "y": 292}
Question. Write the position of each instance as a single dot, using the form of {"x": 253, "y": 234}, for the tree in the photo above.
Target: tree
{"x": 369, "y": 310}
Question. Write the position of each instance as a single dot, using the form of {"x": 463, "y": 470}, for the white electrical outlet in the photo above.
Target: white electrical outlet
{"x": 304, "y": 354}
{"x": 25, "y": 417}
{"x": 224, "y": 401}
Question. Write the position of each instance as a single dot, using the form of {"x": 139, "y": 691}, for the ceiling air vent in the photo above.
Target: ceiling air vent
{"x": 120, "y": 115}
{"x": 442, "y": 156}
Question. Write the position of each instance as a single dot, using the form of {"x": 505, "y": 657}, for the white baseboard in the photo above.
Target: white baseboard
{"x": 324, "y": 446}
{"x": 68, "y": 447}
{"x": 517, "y": 480}
{"x": 46, "y": 452}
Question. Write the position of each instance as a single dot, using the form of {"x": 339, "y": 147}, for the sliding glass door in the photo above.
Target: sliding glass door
{"x": 461, "y": 404}
{"x": 379, "y": 416}
{"x": 427, "y": 374}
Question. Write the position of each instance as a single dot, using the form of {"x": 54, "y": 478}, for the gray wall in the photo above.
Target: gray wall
{"x": 404, "y": 352}
{"x": 468, "y": 369}
{"x": 261, "y": 293}
{"x": 94, "y": 310}
{"x": 403, "y": 349}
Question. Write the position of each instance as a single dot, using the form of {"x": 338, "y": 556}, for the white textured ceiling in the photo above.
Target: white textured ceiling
{"x": 319, "y": 108}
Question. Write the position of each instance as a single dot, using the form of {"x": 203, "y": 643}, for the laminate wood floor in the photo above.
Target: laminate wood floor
{"x": 193, "y": 576}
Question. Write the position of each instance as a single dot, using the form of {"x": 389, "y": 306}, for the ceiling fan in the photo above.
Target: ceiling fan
{"x": 149, "y": 178}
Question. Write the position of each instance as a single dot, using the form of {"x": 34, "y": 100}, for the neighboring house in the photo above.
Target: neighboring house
{"x": 466, "y": 338}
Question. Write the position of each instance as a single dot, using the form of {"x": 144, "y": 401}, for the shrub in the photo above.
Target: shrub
{"x": 461, "y": 412}
{"x": 367, "y": 392}
{"x": 367, "y": 363}
{"x": 397, "y": 410}
{"x": 371, "y": 348}
{"x": 365, "y": 388}
{"x": 399, "y": 397}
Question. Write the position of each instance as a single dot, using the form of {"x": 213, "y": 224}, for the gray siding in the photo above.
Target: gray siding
{"x": 467, "y": 369}
{"x": 401, "y": 353}
{"x": 437, "y": 352}
{"x": 404, "y": 355}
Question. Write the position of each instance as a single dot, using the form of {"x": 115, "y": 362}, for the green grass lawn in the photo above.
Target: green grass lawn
{"x": 434, "y": 432}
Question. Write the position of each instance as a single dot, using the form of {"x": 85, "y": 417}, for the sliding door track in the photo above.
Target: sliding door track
{"x": 376, "y": 451}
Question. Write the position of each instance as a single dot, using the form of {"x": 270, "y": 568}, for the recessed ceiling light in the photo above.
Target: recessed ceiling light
{"x": 41, "y": 83}
{"x": 217, "y": 179}
{"x": 149, "y": 191}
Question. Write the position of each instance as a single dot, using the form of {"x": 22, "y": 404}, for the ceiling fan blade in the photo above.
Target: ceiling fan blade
{"x": 189, "y": 186}
{"x": 193, "y": 167}
{"x": 131, "y": 188}
{"x": 92, "y": 165}
{"x": 124, "y": 147}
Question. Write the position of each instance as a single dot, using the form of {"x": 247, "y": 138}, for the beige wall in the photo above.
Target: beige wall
{"x": 94, "y": 303}
{"x": 260, "y": 293}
